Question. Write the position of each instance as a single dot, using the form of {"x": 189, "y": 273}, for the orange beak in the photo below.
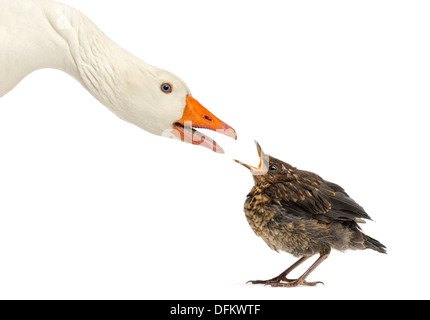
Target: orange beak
{"x": 197, "y": 116}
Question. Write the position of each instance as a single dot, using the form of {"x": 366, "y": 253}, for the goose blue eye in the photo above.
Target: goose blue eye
{"x": 166, "y": 87}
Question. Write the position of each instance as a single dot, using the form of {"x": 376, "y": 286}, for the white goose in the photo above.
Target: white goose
{"x": 36, "y": 34}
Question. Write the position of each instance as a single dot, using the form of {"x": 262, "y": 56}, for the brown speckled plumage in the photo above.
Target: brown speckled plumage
{"x": 300, "y": 213}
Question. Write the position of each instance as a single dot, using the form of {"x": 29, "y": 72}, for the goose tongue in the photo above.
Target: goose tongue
{"x": 191, "y": 135}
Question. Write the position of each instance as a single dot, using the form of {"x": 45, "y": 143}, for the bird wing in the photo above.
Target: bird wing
{"x": 311, "y": 195}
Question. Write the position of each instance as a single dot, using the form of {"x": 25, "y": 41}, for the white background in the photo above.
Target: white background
{"x": 92, "y": 207}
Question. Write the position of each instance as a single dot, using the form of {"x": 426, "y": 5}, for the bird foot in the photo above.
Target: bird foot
{"x": 296, "y": 283}
{"x": 265, "y": 282}
{"x": 271, "y": 281}
{"x": 284, "y": 282}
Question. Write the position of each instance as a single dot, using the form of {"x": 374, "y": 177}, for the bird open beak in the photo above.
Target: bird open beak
{"x": 197, "y": 116}
{"x": 263, "y": 167}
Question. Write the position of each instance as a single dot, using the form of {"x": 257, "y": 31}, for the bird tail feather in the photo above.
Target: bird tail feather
{"x": 374, "y": 244}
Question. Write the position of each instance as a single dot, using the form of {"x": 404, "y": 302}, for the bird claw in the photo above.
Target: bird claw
{"x": 266, "y": 282}
{"x": 284, "y": 282}
{"x": 296, "y": 283}
{"x": 271, "y": 281}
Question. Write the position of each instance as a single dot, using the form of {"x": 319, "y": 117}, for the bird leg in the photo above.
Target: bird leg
{"x": 283, "y": 275}
{"x": 277, "y": 281}
{"x": 302, "y": 280}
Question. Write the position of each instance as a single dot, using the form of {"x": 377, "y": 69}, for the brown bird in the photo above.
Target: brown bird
{"x": 300, "y": 213}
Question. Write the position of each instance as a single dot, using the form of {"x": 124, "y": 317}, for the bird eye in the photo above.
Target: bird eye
{"x": 166, "y": 87}
{"x": 273, "y": 169}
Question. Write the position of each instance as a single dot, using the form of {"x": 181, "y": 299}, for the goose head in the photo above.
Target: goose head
{"x": 161, "y": 103}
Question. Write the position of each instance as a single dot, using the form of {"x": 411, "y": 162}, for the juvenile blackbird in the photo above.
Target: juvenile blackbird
{"x": 300, "y": 213}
